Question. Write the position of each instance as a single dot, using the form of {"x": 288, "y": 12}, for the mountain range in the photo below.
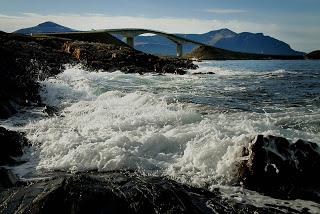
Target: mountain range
{"x": 246, "y": 42}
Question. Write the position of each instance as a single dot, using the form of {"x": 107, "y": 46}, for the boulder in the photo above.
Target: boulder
{"x": 282, "y": 169}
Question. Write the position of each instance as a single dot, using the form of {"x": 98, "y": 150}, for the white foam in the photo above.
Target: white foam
{"x": 105, "y": 128}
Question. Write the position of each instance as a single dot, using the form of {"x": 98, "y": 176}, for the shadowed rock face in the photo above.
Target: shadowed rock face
{"x": 313, "y": 55}
{"x": 282, "y": 169}
{"x": 11, "y": 145}
{"x": 24, "y": 61}
{"x": 7, "y": 179}
{"x": 120, "y": 192}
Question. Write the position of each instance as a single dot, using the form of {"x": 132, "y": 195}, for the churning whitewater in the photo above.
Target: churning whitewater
{"x": 192, "y": 128}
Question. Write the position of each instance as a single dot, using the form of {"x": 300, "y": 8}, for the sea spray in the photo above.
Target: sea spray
{"x": 114, "y": 121}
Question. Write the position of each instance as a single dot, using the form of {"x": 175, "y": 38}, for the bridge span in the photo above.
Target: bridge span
{"x": 130, "y": 33}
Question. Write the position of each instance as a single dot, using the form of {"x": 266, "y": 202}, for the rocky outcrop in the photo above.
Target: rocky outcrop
{"x": 313, "y": 55}
{"x": 113, "y": 57}
{"x": 121, "y": 192}
{"x": 11, "y": 144}
{"x": 282, "y": 169}
{"x": 24, "y": 60}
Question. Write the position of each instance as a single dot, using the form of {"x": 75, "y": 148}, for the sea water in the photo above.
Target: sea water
{"x": 191, "y": 128}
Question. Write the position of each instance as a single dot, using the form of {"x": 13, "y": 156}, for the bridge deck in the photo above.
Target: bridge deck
{"x": 130, "y": 33}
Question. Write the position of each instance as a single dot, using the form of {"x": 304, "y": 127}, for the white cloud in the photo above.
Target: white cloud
{"x": 88, "y": 21}
{"x": 224, "y": 11}
{"x": 291, "y": 34}
{"x": 100, "y": 21}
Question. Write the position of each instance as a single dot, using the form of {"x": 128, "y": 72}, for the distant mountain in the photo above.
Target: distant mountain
{"x": 226, "y": 39}
{"x": 243, "y": 42}
{"x": 210, "y": 38}
{"x": 46, "y": 27}
{"x": 256, "y": 43}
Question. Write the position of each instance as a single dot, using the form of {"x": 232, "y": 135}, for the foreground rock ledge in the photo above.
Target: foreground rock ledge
{"x": 120, "y": 192}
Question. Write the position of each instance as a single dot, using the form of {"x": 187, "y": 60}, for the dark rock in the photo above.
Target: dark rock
{"x": 11, "y": 144}
{"x": 51, "y": 111}
{"x": 7, "y": 179}
{"x": 120, "y": 192}
{"x": 109, "y": 57}
{"x": 201, "y": 73}
{"x": 6, "y": 108}
{"x": 24, "y": 60}
{"x": 282, "y": 169}
{"x": 313, "y": 55}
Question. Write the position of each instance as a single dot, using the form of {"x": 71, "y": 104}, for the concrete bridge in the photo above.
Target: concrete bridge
{"x": 130, "y": 33}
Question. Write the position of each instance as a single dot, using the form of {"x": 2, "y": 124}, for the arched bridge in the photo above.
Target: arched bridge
{"x": 130, "y": 33}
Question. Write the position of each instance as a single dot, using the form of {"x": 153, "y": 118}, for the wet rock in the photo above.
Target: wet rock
{"x": 6, "y": 108}
{"x": 51, "y": 111}
{"x": 7, "y": 179}
{"x": 282, "y": 169}
{"x": 120, "y": 192}
{"x": 11, "y": 144}
{"x": 24, "y": 60}
{"x": 201, "y": 73}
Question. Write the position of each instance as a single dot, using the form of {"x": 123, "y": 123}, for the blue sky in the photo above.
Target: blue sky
{"x": 296, "y": 22}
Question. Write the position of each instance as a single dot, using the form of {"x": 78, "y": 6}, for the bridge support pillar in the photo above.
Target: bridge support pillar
{"x": 130, "y": 41}
{"x": 179, "y": 50}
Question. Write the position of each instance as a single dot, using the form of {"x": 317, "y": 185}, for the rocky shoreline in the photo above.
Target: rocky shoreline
{"x": 271, "y": 165}
{"x": 24, "y": 60}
